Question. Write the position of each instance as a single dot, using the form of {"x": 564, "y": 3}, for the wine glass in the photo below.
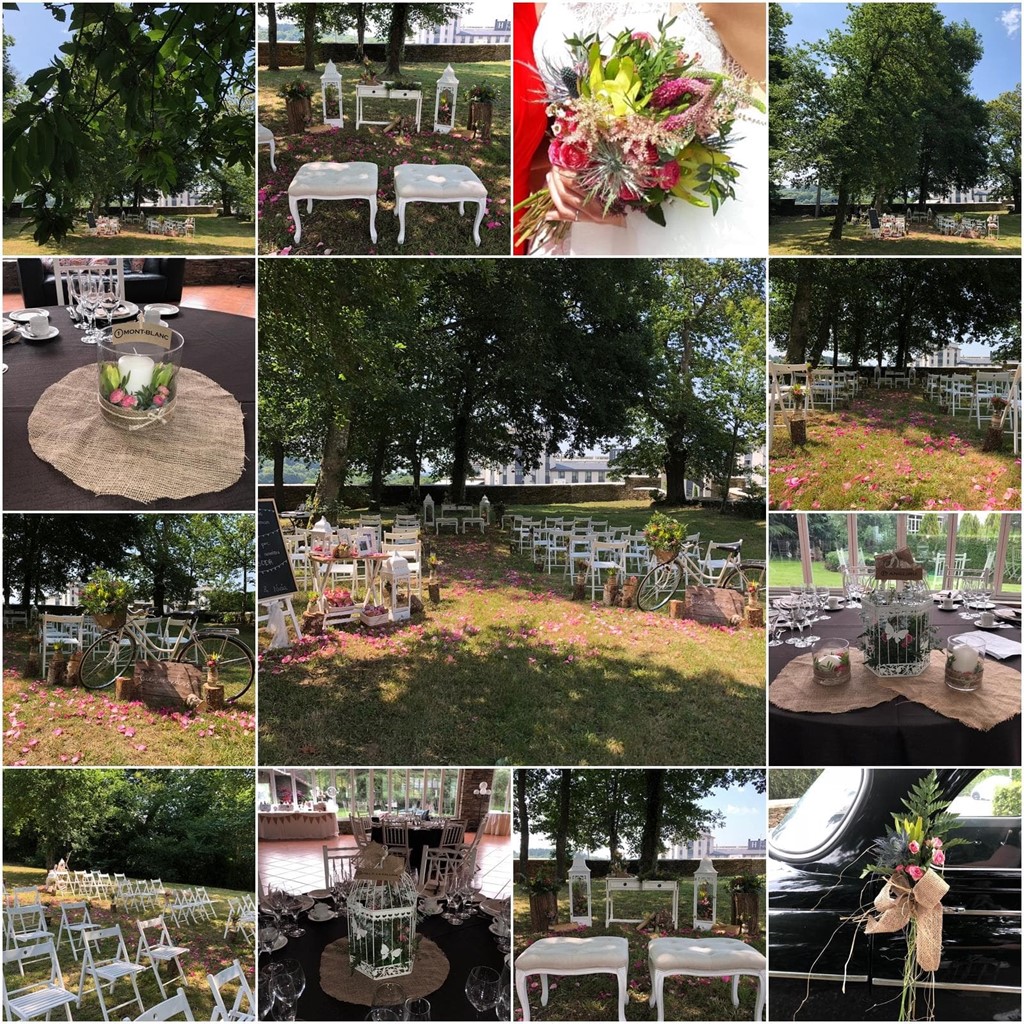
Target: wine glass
{"x": 294, "y": 970}
{"x": 482, "y": 989}
{"x": 503, "y": 1007}
{"x": 265, "y": 995}
{"x": 74, "y": 308}
{"x": 778, "y": 620}
{"x": 89, "y": 298}
{"x": 285, "y": 996}
{"x": 389, "y": 996}
{"x": 417, "y": 1009}
{"x": 110, "y": 296}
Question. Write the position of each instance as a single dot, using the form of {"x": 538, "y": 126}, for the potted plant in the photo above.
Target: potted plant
{"x": 746, "y": 895}
{"x": 481, "y": 107}
{"x": 106, "y": 599}
{"x": 213, "y": 670}
{"x": 298, "y": 96}
{"x": 368, "y": 76}
{"x": 543, "y": 889}
{"x": 579, "y": 586}
{"x": 611, "y": 587}
{"x": 665, "y": 536}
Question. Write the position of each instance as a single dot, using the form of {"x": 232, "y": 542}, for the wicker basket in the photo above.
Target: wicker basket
{"x": 111, "y": 620}
{"x": 665, "y": 554}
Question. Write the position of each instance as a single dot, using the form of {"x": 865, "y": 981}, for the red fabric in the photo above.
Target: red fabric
{"x": 529, "y": 120}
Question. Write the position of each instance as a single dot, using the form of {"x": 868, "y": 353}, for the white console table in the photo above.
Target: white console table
{"x": 623, "y": 885}
{"x": 384, "y": 91}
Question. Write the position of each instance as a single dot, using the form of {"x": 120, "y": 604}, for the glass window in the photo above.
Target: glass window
{"x": 432, "y": 797}
{"x": 263, "y": 788}
{"x": 575, "y": 477}
{"x": 828, "y": 537}
{"x": 989, "y": 806}
{"x": 977, "y": 535}
{"x": 928, "y": 542}
{"x": 414, "y": 793}
{"x": 876, "y": 534}
{"x": 1011, "y": 567}
{"x": 397, "y": 801}
{"x": 361, "y": 793}
{"x": 502, "y": 786}
{"x": 450, "y": 791}
{"x": 816, "y": 818}
{"x": 992, "y": 793}
{"x": 588, "y": 477}
{"x": 784, "y": 551}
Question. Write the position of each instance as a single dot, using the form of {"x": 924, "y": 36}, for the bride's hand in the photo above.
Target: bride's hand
{"x": 570, "y": 202}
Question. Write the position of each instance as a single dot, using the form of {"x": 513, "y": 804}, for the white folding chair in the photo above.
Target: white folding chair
{"x": 607, "y": 555}
{"x": 37, "y": 999}
{"x": 108, "y": 970}
{"x": 162, "y": 951}
{"x": 168, "y": 1009}
{"x": 339, "y": 865}
{"x": 72, "y": 925}
{"x": 59, "y": 631}
{"x": 243, "y": 996}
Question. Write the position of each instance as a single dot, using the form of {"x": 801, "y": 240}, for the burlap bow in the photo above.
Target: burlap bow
{"x": 901, "y": 559}
{"x": 375, "y": 863}
{"x": 899, "y": 902}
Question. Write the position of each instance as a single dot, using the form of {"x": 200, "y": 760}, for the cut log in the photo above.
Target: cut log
{"x": 124, "y": 689}
{"x": 716, "y": 606}
{"x": 168, "y": 684}
{"x": 74, "y": 675}
{"x": 677, "y": 609}
{"x": 755, "y": 616}
{"x": 214, "y": 695}
{"x": 32, "y": 664}
{"x": 57, "y": 670}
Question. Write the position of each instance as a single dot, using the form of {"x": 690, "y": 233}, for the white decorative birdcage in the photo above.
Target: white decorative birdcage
{"x": 382, "y": 927}
{"x": 898, "y": 635}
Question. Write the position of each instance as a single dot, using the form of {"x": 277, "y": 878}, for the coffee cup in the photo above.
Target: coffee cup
{"x": 833, "y": 602}
{"x": 152, "y": 316}
{"x": 947, "y": 603}
{"x": 986, "y": 619}
{"x": 430, "y": 906}
{"x": 39, "y": 325}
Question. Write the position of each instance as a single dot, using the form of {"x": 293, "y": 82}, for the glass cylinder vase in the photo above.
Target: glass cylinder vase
{"x": 831, "y": 659}
{"x": 138, "y": 366}
{"x": 965, "y": 663}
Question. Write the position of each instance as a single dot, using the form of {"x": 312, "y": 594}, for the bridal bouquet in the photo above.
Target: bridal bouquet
{"x": 636, "y": 127}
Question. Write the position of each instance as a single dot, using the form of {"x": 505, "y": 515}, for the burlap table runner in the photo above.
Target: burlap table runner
{"x": 338, "y": 979}
{"x": 794, "y": 688}
{"x": 996, "y": 700}
{"x": 200, "y": 451}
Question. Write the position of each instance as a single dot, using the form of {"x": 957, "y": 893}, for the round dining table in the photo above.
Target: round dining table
{"x": 898, "y": 732}
{"x": 221, "y": 346}
{"x": 419, "y": 840}
{"x": 466, "y": 946}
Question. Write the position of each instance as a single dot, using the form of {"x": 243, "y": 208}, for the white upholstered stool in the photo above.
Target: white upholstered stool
{"x": 706, "y": 958}
{"x": 438, "y": 183}
{"x": 327, "y": 180}
{"x": 563, "y": 955}
{"x": 265, "y": 137}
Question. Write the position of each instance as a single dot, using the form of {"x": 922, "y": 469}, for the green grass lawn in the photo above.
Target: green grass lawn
{"x": 891, "y": 449}
{"x": 791, "y": 236}
{"x": 208, "y": 952}
{"x": 592, "y": 997}
{"x": 71, "y": 725}
{"x": 508, "y": 669}
{"x": 343, "y": 227}
{"x": 215, "y": 236}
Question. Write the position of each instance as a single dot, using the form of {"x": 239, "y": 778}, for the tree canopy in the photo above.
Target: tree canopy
{"x": 156, "y": 88}
{"x": 192, "y": 826}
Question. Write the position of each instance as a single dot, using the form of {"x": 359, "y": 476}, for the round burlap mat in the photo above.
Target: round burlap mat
{"x": 429, "y": 971}
{"x": 996, "y": 700}
{"x": 199, "y": 451}
{"x": 794, "y": 688}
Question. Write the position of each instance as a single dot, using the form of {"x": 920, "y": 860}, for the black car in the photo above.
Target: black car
{"x": 815, "y": 858}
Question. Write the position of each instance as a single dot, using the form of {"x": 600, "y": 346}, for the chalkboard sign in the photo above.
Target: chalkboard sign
{"x": 873, "y": 219}
{"x": 274, "y": 576}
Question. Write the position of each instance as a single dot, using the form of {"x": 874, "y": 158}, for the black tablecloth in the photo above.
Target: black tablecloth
{"x": 899, "y": 732}
{"x": 219, "y": 345}
{"x": 467, "y": 946}
{"x": 419, "y": 840}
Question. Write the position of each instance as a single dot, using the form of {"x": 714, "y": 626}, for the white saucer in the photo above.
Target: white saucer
{"x": 22, "y": 316}
{"x": 282, "y": 941}
{"x": 986, "y": 607}
{"x": 165, "y": 308}
{"x": 995, "y": 625}
{"x": 9, "y": 326}
{"x": 29, "y": 336}
{"x": 125, "y": 311}
{"x": 326, "y": 915}
{"x": 319, "y": 894}
{"x": 493, "y": 929}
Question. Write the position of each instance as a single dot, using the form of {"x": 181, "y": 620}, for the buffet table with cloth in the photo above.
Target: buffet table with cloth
{"x": 465, "y": 946}
{"x": 419, "y": 840}
{"x": 895, "y": 731}
{"x": 220, "y": 346}
{"x": 297, "y": 824}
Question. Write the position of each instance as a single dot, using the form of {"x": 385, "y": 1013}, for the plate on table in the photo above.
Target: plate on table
{"x": 492, "y": 906}
{"x": 163, "y": 308}
{"x": 125, "y": 311}
{"x": 22, "y": 316}
{"x": 9, "y": 326}
{"x": 981, "y": 606}
{"x": 1008, "y": 614}
{"x": 994, "y": 625}
{"x": 319, "y": 894}
{"x": 27, "y": 335}
{"x": 495, "y": 929}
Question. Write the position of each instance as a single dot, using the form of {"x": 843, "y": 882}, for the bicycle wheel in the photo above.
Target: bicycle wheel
{"x": 658, "y": 586}
{"x": 235, "y": 665}
{"x": 739, "y": 577}
{"x": 111, "y": 655}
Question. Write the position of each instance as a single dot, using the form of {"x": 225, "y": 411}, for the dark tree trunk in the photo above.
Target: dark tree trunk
{"x": 377, "y": 474}
{"x": 277, "y": 452}
{"x": 524, "y": 819}
{"x": 730, "y": 463}
{"x": 650, "y": 840}
{"x": 309, "y": 36}
{"x": 272, "y": 58}
{"x": 396, "y": 38}
{"x": 460, "y": 447}
{"x": 858, "y": 341}
{"x": 360, "y": 30}
{"x": 564, "y": 794}
{"x": 333, "y": 462}
{"x": 613, "y": 815}
{"x": 415, "y": 467}
{"x": 225, "y": 199}
{"x": 842, "y": 201}
{"x": 675, "y": 475}
{"x": 835, "y": 343}
{"x": 800, "y": 316}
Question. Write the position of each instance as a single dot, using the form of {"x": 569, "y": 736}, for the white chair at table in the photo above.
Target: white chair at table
{"x": 160, "y": 951}
{"x": 168, "y": 1009}
{"x": 607, "y": 555}
{"x": 439, "y": 871}
{"x": 407, "y": 543}
{"x": 939, "y": 570}
{"x": 243, "y": 997}
{"x": 339, "y": 865}
{"x": 966, "y": 580}
{"x": 63, "y": 268}
{"x": 37, "y": 999}
{"x": 361, "y": 831}
{"x": 108, "y": 970}
{"x": 453, "y": 835}
{"x": 60, "y": 631}
{"x": 396, "y": 839}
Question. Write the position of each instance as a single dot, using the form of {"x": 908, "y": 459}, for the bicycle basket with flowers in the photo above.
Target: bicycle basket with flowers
{"x": 665, "y": 536}
{"x": 106, "y": 599}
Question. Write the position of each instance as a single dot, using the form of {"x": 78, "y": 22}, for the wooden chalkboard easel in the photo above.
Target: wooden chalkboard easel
{"x": 275, "y": 581}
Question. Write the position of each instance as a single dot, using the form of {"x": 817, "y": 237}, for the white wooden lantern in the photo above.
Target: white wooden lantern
{"x": 448, "y": 85}
{"x": 331, "y": 78}
{"x": 398, "y": 581}
{"x": 321, "y": 538}
{"x": 705, "y": 895}
{"x": 580, "y": 910}
{"x": 485, "y": 510}
{"x": 428, "y": 511}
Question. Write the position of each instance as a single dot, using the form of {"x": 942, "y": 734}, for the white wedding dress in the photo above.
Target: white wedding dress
{"x": 740, "y": 228}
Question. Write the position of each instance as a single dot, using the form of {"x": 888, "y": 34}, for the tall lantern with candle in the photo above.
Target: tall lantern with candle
{"x": 138, "y": 374}
{"x": 705, "y": 895}
{"x": 444, "y": 101}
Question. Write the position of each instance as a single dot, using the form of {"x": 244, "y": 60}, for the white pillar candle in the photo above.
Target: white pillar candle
{"x": 829, "y": 661}
{"x": 965, "y": 658}
{"x": 139, "y": 371}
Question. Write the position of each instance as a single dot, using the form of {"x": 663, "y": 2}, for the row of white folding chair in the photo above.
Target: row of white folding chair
{"x": 243, "y": 913}
{"x": 190, "y": 905}
{"x": 139, "y": 894}
{"x": 989, "y": 385}
{"x": 105, "y": 961}
{"x": 244, "y": 1005}
{"x": 160, "y": 950}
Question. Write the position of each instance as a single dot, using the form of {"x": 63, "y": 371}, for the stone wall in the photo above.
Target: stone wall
{"x": 467, "y": 805}
{"x": 292, "y": 55}
{"x": 727, "y": 867}
{"x": 789, "y": 208}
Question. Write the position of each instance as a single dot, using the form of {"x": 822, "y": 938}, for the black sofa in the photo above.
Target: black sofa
{"x": 161, "y": 279}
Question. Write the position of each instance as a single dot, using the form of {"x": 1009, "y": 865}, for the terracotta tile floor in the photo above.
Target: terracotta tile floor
{"x": 298, "y": 865}
{"x": 227, "y": 298}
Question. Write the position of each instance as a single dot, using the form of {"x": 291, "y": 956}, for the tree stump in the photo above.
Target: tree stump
{"x": 299, "y": 114}
{"x": 579, "y": 591}
{"x": 746, "y": 913}
{"x": 677, "y": 610}
{"x": 434, "y": 591}
{"x": 480, "y": 119}
{"x": 57, "y": 670}
{"x": 163, "y": 684}
{"x": 125, "y": 690}
{"x": 74, "y": 674}
{"x": 213, "y": 694}
{"x": 32, "y": 664}
{"x": 312, "y": 622}
{"x": 993, "y": 440}
{"x": 798, "y": 430}
{"x": 755, "y": 616}
{"x": 415, "y": 605}
{"x": 543, "y": 910}
{"x": 629, "y": 589}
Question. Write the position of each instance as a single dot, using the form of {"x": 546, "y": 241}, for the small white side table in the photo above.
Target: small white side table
{"x": 328, "y": 180}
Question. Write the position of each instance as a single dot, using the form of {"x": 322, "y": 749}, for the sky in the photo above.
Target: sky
{"x": 999, "y": 26}
{"x": 744, "y": 809}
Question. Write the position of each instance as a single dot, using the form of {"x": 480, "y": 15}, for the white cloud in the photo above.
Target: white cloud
{"x": 733, "y": 809}
{"x": 1010, "y": 19}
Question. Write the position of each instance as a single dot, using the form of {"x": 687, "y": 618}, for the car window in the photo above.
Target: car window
{"x": 993, "y": 793}
{"x": 818, "y": 816}
{"x": 989, "y": 806}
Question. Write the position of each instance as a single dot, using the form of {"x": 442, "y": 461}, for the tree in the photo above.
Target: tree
{"x": 396, "y": 21}
{"x": 1004, "y": 143}
{"x": 270, "y": 10}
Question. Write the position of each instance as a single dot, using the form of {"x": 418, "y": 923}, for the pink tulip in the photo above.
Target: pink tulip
{"x": 936, "y": 843}
{"x": 116, "y": 395}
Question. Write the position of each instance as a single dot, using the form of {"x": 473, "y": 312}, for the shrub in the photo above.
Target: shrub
{"x": 1006, "y": 802}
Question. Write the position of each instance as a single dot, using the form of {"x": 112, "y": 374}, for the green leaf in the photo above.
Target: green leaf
{"x": 655, "y": 213}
